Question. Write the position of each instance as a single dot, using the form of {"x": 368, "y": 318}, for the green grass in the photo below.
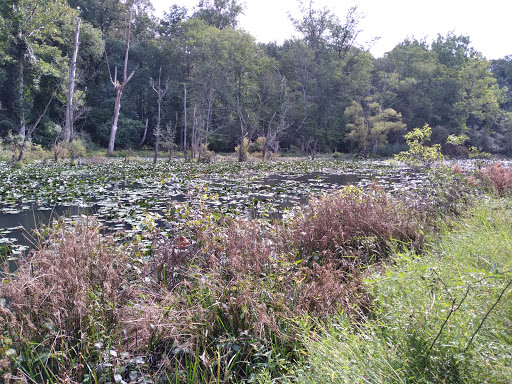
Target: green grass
{"x": 441, "y": 317}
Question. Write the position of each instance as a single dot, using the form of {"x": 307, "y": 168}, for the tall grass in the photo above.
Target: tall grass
{"x": 230, "y": 300}
{"x": 498, "y": 178}
{"x": 443, "y": 317}
{"x": 216, "y": 309}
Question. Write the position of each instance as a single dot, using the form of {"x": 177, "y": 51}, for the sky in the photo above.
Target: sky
{"x": 487, "y": 23}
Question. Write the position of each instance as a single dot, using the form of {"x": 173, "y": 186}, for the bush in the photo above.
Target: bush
{"x": 498, "y": 178}
{"x": 420, "y": 154}
{"x": 243, "y": 151}
{"x": 207, "y": 156}
{"x": 442, "y": 317}
{"x": 257, "y": 146}
{"x": 76, "y": 148}
{"x": 356, "y": 226}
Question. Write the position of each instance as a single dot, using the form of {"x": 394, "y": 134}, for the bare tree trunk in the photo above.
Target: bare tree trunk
{"x": 119, "y": 89}
{"x": 200, "y": 141}
{"x": 68, "y": 128}
{"x": 145, "y": 133}
{"x": 193, "y": 147}
{"x": 21, "y": 99}
{"x": 171, "y": 135}
{"x": 157, "y": 132}
{"x": 113, "y": 131}
{"x": 157, "y": 87}
{"x": 185, "y": 121}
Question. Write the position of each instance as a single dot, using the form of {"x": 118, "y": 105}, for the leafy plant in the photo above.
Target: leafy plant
{"x": 243, "y": 149}
{"x": 76, "y": 149}
{"x": 419, "y": 153}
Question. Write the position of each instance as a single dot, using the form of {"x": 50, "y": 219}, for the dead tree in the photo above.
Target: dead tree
{"x": 145, "y": 134}
{"x": 185, "y": 121}
{"x": 119, "y": 87}
{"x": 31, "y": 129}
{"x": 68, "y": 127}
{"x": 160, "y": 93}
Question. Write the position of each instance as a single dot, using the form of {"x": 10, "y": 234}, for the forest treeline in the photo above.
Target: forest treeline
{"x": 113, "y": 74}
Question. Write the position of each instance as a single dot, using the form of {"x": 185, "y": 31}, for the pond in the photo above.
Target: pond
{"x": 123, "y": 195}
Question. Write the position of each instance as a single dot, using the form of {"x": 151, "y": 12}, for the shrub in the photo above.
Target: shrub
{"x": 360, "y": 227}
{"x": 59, "y": 150}
{"x": 207, "y": 156}
{"x": 257, "y": 146}
{"x": 419, "y": 153}
{"x": 243, "y": 150}
{"x": 76, "y": 149}
{"x": 498, "y": 178}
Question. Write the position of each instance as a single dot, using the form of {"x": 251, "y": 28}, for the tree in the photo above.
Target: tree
{"x": 119, "y": 87}
{"x": 160, "y": 92}
{"x": 34, "y": 34}
{"x": 412, "y": 81}
{"x": 171, "y": 22}
{"x": 68, "y": 128}
{"x": 84, "y": 46}
{"x": 208, "y": 55}
{"x": 477, "y": 108}
{"x": 106, "y": 15}
{"x": 370, "y": 125}
{"x": 313, "y": 24}
{"x": 279, "y": 122}
{"x": 453, "y": 51}
{"x": 244, "y": 63}
{"x": 321, "y": 28}
{"x": 219, "y": 13}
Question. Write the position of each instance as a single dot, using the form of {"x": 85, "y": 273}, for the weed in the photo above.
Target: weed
{"x": 498, "y": 178}
{"x": 437, "y": 318}
{"x": 354, "y": 225}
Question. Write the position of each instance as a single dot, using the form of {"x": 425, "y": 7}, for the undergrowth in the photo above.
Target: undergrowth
{"x": 227, "y": 298}
{"x": 442, "y": 317}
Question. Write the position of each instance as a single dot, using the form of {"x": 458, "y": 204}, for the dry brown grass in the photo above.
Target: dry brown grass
{"x": 81, "y": 289}
{"x": 93, "y": 160}
{"x": 499, "y": 178}
{"x": 359, "y": 227}
{"x": 53, "y": 285}
{"x": 241, "y": 282}
{"x": 457, "y": 169}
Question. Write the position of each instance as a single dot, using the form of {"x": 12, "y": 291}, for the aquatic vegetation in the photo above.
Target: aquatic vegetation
{"x": 119, "y": 193}
{"x": 204, "y": 272}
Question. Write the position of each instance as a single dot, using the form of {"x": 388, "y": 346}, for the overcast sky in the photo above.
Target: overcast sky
{"x": 488, "y": 23}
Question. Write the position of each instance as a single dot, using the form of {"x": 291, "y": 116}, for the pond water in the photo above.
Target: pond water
{"x": 122, "y": 205}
